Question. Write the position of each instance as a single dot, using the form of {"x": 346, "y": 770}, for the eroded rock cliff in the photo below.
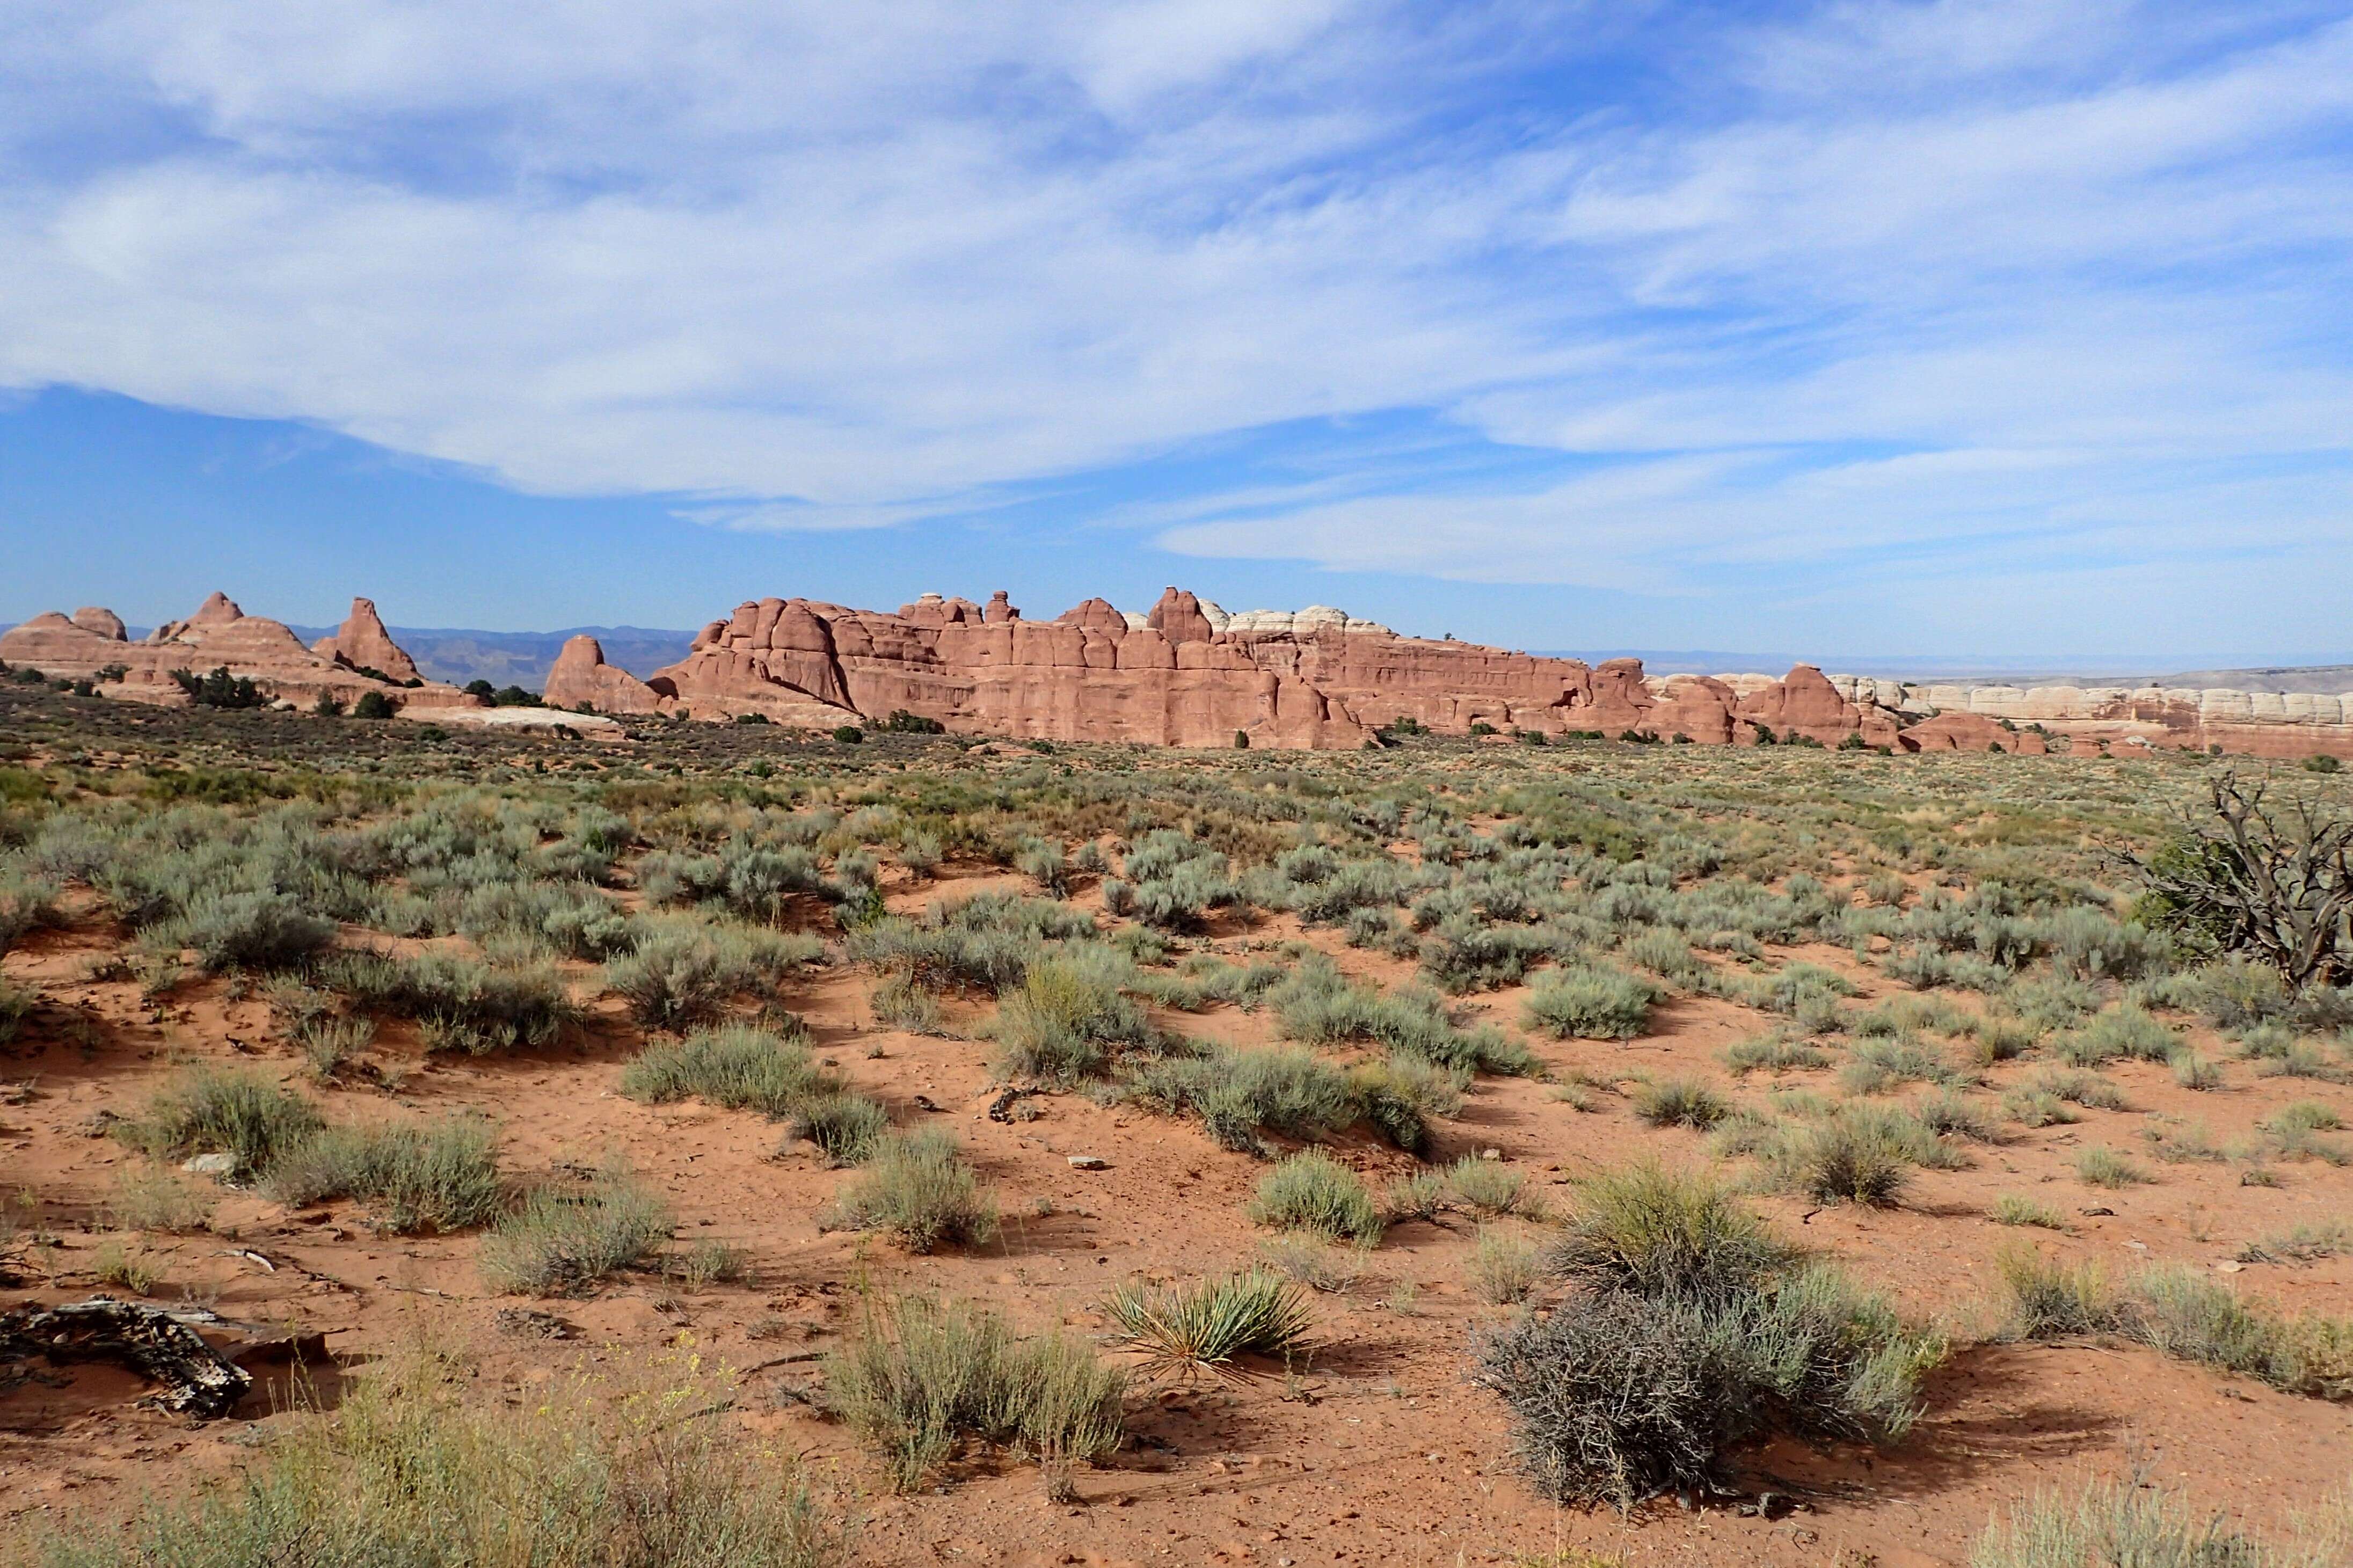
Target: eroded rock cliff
{"x": 1186, "y": 673}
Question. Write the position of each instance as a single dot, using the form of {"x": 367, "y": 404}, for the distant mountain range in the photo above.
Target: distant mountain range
{"x": 2330, "y": 680}
{"x": 523, "y": 659}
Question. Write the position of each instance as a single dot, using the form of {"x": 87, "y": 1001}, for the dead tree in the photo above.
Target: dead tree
{"x": 2276, "y": 884}
{"x": 197, "y": 1380}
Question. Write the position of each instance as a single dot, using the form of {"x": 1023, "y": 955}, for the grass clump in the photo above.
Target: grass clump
{"x": 1992, "y": 1041}
{"x": 1699, "y": 1334}
{"x": 26, "y": 902}
{"x": 1317, "y": 1264}
{"x": 1656, "y": 1232}
{"x": 1490, "y": 1187}
{"x": 2182, "y": 1313}
{"x": 2011, "y": 1208}
{"x": 1667, "y": 954}
{"x": 2190, "y": 1316}
{"x": 1773, "y": 1053}
{"x": 155, "y": 1197}
{"x": 561, "y": 1241}
{"x": 1318, "y": 1005}
{"x": 2037, "y": 1107}
{"x": 1068, "y": 1016}
{"x": 460, "y": 1003}
{"x": 2124, "y": 1033}
{"x": 983, "y": 943}
{"x": 1463, "y": 952}
{"x": 2077, "y": 1087}
{"x": 1172, "y": 881}
{"x": 2191, "y": 1070}
{"x": 1590, "y": 1001}
{"x": 1504, "y": 1266}
{"x": 216, "y": 1110}
{"x": 1948, "y": 1113}
{"x": 1680, "y": 1102}
{"x": 2104, "y": 1167}
{"x": 16, "y": 1004}
{"x": 1419, "y": 1194}
{"x": 1835, "y": 1162}
{"x": 640, "y": 1467}
{"x": 925, "y": 1376}
{"x": 1187, "y": 1330}
{"x": 847, "y": 1127}
{"x": 1205, "y": 979}
{"x": 706, "y": 1263}
{"x": 1857, "y": 1154}
{"x": 2304, "y": 1116}
{"x": 2306, "y": 1243}
{"x": 2115, "y": 1522}
{"x": 918, "y": 1187}
{"x": 1313, "y": 1192}
{"x": 736, "y": 1067}
{"x": 1876, "y": 1066}
{"x": 900, "y": 1004}
{"x": 248, "y": 929}
{"x": 687, "y": 973}
{"x": 121, "y": 1267}
{"x": 438, "y": 1177}
{"x": 1404, "y": 1094}
{"x": 328, "y": 1042}
{"x": 1241, "y": 1096}
{"x": 1903, "y": 1015}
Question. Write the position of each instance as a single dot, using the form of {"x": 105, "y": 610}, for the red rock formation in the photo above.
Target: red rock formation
{"x": 218, "y": 609}
{"x": 91, "y": 647}
{"x": 1086, "y": 675}
{"x": 1191, "y": 674}
{"x": 362, "y": 643}
{"x": 1097, "y": 614}
{"x": 1970, "y": 732}
{"x": 930, "y": 610}
{"x": 581, "y": 675}
{"x": 2283, "y": 725}
{"x": 1804, "y": 700}
{"x": 1616, "y": 699}
{"x": 1178, "y": 618}
{"x": 1381, "y": 678}
{"x": 1695, "y": 706}
{"x": 776, "y": 658}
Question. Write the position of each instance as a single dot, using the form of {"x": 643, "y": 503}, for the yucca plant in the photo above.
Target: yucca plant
{"x": 1184, "y": 1331}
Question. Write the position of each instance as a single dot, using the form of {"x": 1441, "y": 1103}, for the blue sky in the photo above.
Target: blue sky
{"x": 1874, "y": 328}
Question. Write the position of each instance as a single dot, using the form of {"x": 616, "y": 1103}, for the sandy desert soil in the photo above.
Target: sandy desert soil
{"x": 1378, "y": 1450}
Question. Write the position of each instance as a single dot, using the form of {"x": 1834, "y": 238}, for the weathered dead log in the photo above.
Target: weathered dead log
{"x": 159, "y": 1345}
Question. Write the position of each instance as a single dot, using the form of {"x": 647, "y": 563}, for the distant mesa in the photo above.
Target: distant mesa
{"x": 1188, "y": 673}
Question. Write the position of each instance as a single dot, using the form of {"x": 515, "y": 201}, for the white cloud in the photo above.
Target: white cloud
{"x": 1928, "y": 280}
{"x": 1662, "y": 526}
